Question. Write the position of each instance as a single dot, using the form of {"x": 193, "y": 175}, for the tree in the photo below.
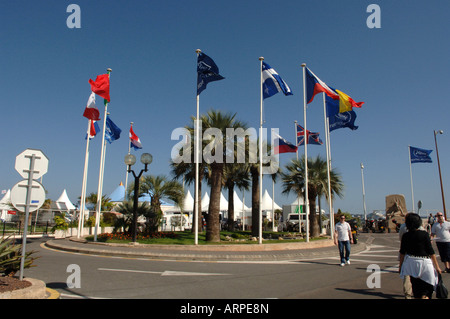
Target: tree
{"x": 294, "y": 181}
{"x": 160, "y": 187}
{"x": 236, "y": 174}
{"x": 186, "y": 170}
{"x": 215, "y": 153}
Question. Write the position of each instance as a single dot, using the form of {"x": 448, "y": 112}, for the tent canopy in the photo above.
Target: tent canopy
{"x": 64, "y": 203}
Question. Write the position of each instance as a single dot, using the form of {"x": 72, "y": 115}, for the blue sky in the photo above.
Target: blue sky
{"x": 399, "y": 71}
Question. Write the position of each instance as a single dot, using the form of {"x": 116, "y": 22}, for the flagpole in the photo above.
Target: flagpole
{"x": 197, "y": 173}
{"x": 410, "y": 172}
{"x": 306, "y": 152}
{"x": 261, "y": 59}
{"x": 327, "y": 144}
{"x": 83, "y": 187}
{"x": 99, "y": 192}
{"x": 126, "y": 175}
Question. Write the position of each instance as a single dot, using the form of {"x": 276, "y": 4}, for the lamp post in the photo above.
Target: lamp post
{"x": 130, "y": 160}
{"x": 363, "y": 193}
{"x": 439, "y": 167}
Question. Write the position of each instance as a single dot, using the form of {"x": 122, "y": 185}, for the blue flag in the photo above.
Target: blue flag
{"x": 339, "y": 120}
{"x": 112, "y": 131}
{"x": 207, "y": 71}
{"x": 419, "y": 155}
{"x": 272, "y": 82}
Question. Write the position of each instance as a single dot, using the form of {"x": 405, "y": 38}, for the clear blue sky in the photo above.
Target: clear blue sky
{"x": 400, "y": 71}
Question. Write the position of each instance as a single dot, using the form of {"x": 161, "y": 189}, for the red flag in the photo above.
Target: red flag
{"x": 101, "y": 86}
{"x": 91, "y": 112}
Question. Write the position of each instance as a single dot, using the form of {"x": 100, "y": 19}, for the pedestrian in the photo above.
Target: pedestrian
{"x": 343, "y": 238}
{"x": 441, "y": 230}
{"x": 407, "y": 287}
{"x": 417, "y": 258}
{"x": 431, "y": 221}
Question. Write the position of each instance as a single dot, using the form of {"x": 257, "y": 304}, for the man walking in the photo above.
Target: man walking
{"x": 441, "y": 230}
{"x": 343, "y": 238}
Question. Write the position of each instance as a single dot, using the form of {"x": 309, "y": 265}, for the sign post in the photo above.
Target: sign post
{"x": 30, "y": 164}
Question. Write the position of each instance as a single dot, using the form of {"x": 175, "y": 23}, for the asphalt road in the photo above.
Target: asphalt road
{"x": 372, "y": 274}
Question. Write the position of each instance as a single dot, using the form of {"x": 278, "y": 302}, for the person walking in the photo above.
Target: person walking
{"x": 441, "y": 232}
{"x": 407, "y": 287}
{"x": 343, "y": 238}
{"x": 417, "y": 258}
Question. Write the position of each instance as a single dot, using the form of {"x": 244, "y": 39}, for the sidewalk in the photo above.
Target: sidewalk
{"x": 252, "y": 252}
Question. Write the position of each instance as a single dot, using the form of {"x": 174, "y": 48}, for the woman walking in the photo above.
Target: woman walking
{"x": 417, "y": 259}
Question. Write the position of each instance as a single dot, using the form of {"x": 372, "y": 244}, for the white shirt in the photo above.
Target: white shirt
{"x": 442, "y": 232}
{"x": 342, "y": 229}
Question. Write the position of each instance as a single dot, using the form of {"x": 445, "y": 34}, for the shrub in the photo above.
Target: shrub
{"x": 10, "y": 257}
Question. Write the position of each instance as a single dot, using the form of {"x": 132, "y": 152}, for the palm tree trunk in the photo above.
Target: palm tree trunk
{"x": 231, "y": 207}
{"x": 313, "y": 223}
{"x": 212, "y": 224}
{"x": 255, "y": 202}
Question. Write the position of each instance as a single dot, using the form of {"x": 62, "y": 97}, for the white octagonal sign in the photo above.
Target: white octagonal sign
{"x": 19, "y": 195}
{"x": 23, "y": 161}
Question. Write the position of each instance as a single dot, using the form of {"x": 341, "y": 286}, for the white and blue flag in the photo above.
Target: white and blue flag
{"x": 272, "y": 82}
{"x": 112, "y": 131}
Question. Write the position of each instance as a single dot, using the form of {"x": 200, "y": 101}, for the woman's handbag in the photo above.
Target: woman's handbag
{"x": 441, "y": 290}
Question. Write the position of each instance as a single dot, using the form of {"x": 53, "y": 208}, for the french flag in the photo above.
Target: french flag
{"x": 134, "y": 139}
{"x": 283, "y": 146}
{"x": 314, "y": 85}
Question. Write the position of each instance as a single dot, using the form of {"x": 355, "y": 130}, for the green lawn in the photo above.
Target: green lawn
{"x": 187, "y": 238}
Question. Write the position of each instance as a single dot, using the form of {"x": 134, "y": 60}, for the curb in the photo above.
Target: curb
{"x": 37, "y": 290}
{"x": 268, "y": 252}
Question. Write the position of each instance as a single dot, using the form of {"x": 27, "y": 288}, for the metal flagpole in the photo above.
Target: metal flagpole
{"x": 306, "y": 153}
{"x": 83, "y": 187}
{"x": 196, "y": 143}
{"x": 410, "y": 172}
{"x": 327, "y": 144}
{"x": 261, "y": 59}
{"x": 100, "y": 176}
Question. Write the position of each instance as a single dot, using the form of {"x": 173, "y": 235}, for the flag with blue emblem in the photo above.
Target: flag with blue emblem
{"x": 272, "y": 82}
{"x": 339, "y": 120}
{"x": 207, "y": 71}
{"x": 419, "y": 155}
{"x": 112, "y": 131}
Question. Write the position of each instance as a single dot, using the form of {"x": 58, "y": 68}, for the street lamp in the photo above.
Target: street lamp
{"x": 439, "y": 167}
{"x": 363, "y": 193}
{"x": 130, "y": 160}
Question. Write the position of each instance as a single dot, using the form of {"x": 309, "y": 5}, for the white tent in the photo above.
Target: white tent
{"x": 64, "y": 203}
{"x": 188, "y": 204}
{"x": 298, "y": 201}
{"x": 5, "y": 207}
{"x": 238, "y": 205}
{"x": 205, "y": 202}
{"x": 267, "y": 202}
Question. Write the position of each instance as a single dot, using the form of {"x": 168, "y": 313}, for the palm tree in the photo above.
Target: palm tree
{"x": 294, "y": 182}
{"x": 236, "y": 174}
{"x": 219, "y": 123}
{"x": 186, "y": 171}
{"x": 106, "y": 201}
{"x": 160, "y": 187}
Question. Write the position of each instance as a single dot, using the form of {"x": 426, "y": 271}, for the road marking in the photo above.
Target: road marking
{"x": 164, "y": 273}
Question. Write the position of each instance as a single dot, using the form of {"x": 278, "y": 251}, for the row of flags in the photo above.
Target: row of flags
{"x": 338, "y": 104}
{"x": 112, "y": 132}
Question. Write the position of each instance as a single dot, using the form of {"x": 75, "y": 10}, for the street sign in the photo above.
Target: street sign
{"x": 19, "y": 195}
{"x": 23, "y": 161}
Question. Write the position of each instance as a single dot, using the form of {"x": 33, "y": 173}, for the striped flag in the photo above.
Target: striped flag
{"x": 134, "y": 140}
